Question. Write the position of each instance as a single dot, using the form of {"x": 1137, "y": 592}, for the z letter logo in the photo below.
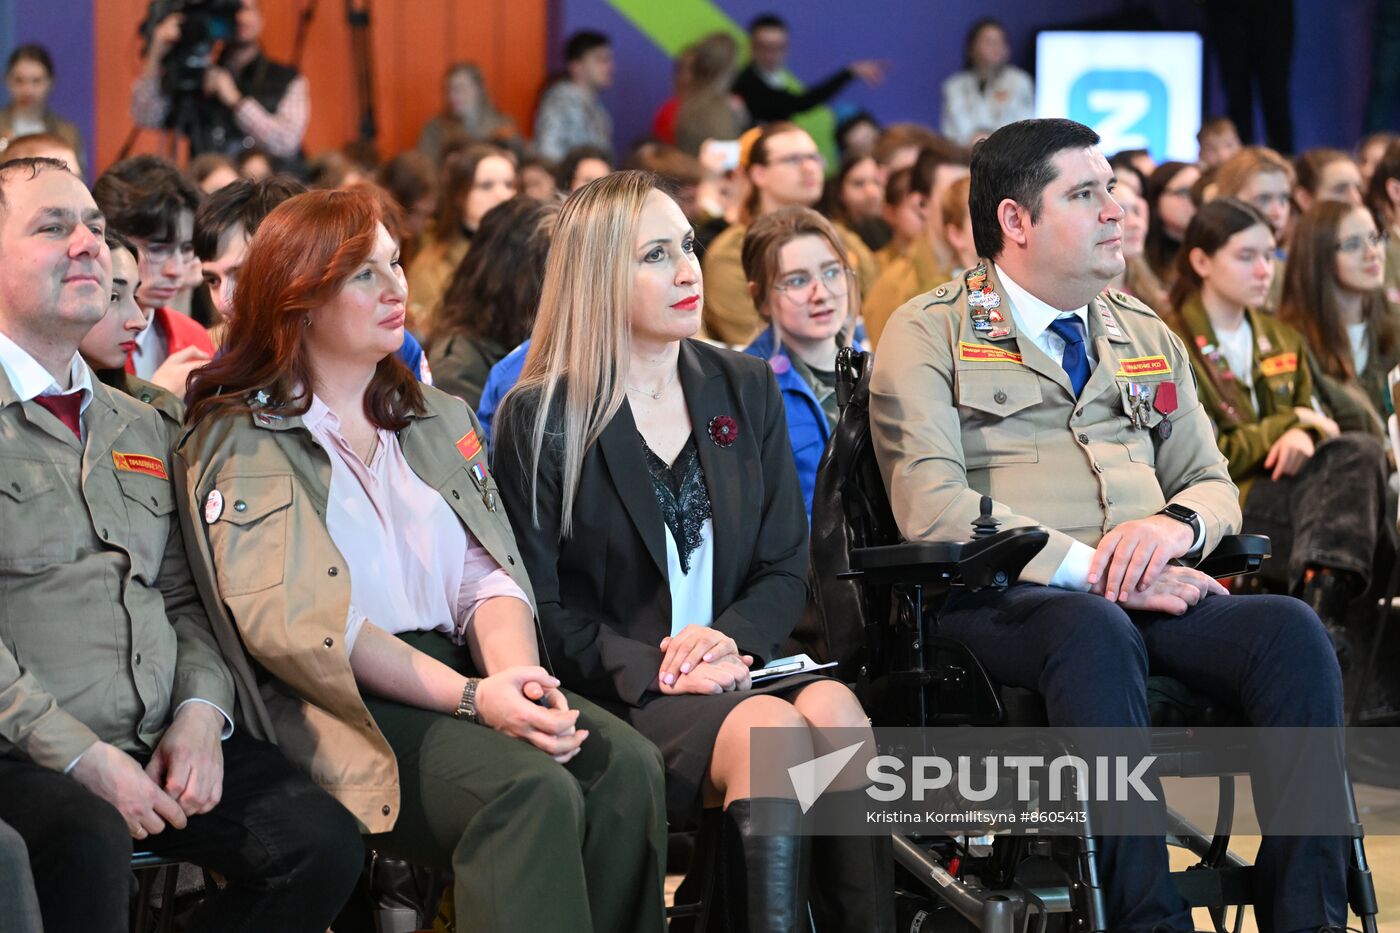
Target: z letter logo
{"x": 1127, "y": 108}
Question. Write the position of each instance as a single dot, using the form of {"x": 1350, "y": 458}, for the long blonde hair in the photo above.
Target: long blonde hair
{"x": 581, "y": 341}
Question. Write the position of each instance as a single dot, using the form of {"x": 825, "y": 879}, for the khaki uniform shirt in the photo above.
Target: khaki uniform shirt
{"x": 957, "y": 413}
{"x": 278, "y": 589}
{"x": 170, "y": 406}
{"x": 431, "y": 274}
{"x": 730, "y": 316}
{"x": 102, "y": 634}
{"x": 914, "y": 273}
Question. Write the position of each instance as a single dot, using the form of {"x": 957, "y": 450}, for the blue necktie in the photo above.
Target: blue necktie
{"x": 1076, "y": 361}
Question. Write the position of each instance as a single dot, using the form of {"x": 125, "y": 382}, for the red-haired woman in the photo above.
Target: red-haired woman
{"x": 350, "y": 538}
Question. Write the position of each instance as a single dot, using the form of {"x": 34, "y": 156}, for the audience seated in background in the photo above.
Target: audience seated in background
{"x": 1137, "y": 278}
{"x": 536, "y": 178}
{"x": 412, "y": 181}
{"x": 212, "y": 171}
{"x": 570, "y": 113}
{"x": 41, "y": 146}
{"x": 770, "y": 92}
{"x": 255, "y": 164}
{"x": 800, "y": 284}
{"x": 1218, "y": 140}
{"x": 904, "y": 215}
{"x": 334, "y": 169}
{"x": 1170, "y": 209}
{"x": 425, "y": 726}
{"x": 1326, "y": 175}
{"x": 1369, "y": 153}
{"x": 625, "y": 431}
{"x": 490, "y": 305}
{"x": 473, "y": 181}
{"x": 117, "y": 732}
{"x": 153, "y": 203}
{"x": 29, "y": 77}
{"x": 785, "y": 169}
{"x": 1318, "y": 492}
{"x": 581, "y": 165}
{"x": 663, "y": 122}
{"x": 855, "y": 198}
{"x": 1383, "y": 197}
{"x": 467, "y": 111}
{"x": 857, "y": 133}
{"x": 1261, "y": 177}
{"x": 989, "y": 92}
{"x": 899, "y": 144}
{"x": 930, "y": 259}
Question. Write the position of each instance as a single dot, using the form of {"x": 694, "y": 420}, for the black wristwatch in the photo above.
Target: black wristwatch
{"x": 1182, "y": 514}
{"x": 466, "y": 707}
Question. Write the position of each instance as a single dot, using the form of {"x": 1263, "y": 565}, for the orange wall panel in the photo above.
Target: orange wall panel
{"x": 412, "y": 42}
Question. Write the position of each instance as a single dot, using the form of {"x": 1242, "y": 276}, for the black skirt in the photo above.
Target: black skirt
{"x": 685, "y": 728}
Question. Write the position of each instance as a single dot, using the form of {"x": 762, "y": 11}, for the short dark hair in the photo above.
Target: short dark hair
{"x": 1015, "y": 162}
{"x": 941, "y": 151}
{"x": 242, "y": 202}
{"x": 117, "y": 240}
{"x": 564, "y": 174}
{"x": 35, "y": 164}
{"x": 30, "y": 52}
{"x": 767, "y": 21}
{"x": 583, "y": 42}
{"x": 143, "y": 196}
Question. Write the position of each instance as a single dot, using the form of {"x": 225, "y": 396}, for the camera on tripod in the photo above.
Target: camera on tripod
{"x": 205, "y": 24}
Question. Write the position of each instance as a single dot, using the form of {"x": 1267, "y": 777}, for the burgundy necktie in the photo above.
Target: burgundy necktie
{"x": 65, "y": 408}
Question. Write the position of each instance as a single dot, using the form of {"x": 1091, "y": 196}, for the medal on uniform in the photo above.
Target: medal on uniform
{"x": 1165, "y": 404}
{"x": 994, "y": 316}
{"x": 488, "y": 495}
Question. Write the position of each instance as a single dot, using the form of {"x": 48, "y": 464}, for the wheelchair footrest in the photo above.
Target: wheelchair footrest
{"x": 1216, "y": 887}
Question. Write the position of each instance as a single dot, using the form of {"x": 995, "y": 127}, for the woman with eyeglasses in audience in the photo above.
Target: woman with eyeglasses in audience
{"x": 650, "y": 480}
{"x": 1170, "y": 209}
{"x": 802, "y": 287}
{"x": 784, "y": 168}
{"x": 350, "y": 544}
{"x": 1319, "y": 493}
{"x": 1333, "y": 293}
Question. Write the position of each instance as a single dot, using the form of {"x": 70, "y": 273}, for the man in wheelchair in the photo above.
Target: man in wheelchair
{"x": 1075, "y": 409}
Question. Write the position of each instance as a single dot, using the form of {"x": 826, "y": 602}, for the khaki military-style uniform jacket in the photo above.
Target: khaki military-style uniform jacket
{"x": 167, "y": 403}
{"x": 102, "y": 633}
{"x": 278, "y": 590}
{"x": 958, "y": 412}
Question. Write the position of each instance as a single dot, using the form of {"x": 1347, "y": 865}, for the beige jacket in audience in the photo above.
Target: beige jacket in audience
{"x": 957, "y": 413}
{"x": 278, "y": 590}
{"x": 915, "y": 272}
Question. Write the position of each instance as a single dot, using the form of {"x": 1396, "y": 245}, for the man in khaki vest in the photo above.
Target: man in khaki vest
{"x": 1076, "y": 410}
{"x": 116, "y": 728}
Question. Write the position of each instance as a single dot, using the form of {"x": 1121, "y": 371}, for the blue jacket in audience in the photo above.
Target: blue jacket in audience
{"x": 501, "y": 380}
{"x": 808, "y": 431}
{"x": 411, "y": 352}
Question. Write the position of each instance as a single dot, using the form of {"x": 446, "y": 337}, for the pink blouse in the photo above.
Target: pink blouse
{"x": 413, "y": 567}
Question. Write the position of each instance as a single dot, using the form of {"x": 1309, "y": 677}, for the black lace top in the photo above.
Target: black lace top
{"x": 682, "y": 496}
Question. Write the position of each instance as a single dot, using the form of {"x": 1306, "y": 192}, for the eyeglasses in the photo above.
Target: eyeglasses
{"x": 1362, "y": 241}
{"x": 796, "y": 284}
{"x": 797, "y": 160}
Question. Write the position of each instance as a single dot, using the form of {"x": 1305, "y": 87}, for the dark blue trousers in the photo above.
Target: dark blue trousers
{"x": 1267, "y": 655}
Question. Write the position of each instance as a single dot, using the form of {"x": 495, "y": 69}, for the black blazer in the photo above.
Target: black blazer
{"x": 603, "y": 599}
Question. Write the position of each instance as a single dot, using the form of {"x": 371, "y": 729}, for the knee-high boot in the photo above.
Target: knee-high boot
{"x": 764, "y": 876}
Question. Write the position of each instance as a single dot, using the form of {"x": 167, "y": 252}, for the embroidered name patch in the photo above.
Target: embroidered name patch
{"x": 977, "y": 353}
{"x": 139, "y": 463}
{"x": 1144, "y": 366}
{"x": 469, "y": 446}
{"x": 1279, "y": 365}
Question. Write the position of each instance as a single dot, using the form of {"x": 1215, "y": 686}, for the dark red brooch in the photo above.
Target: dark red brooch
{"x": 724, "y": 430}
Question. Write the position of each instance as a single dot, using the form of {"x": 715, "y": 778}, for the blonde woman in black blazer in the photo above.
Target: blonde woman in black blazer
{"x": 651, "y": 484}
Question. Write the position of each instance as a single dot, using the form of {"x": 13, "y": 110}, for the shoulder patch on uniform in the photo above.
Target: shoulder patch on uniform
{"x": 1279, "y": 364}
{"x": 944, "y": 294}
{"x": 1121, "y": 299}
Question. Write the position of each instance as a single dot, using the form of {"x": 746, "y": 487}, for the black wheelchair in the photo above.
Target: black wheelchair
{"x": 876, "y": 613}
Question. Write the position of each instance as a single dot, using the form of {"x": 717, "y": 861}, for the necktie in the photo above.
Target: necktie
{"x": 66, "y": 408}
{"x": 1076, "y": 361}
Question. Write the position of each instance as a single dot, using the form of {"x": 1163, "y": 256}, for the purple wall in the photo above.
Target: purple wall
{"x": 65, "y": 28}
{"x": 922, "y": 41}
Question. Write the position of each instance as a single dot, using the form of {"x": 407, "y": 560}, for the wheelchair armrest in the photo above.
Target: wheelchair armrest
{"x": 1235, "y": 555}
{"x": 996, "y": 560}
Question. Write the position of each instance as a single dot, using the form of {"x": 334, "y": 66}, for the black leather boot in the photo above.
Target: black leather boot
{"x": 764, "y": 877}
{"x": 853, "y": 883}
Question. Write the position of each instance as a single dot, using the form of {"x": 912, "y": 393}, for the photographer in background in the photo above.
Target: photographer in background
{"x": 243, "y": 101}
